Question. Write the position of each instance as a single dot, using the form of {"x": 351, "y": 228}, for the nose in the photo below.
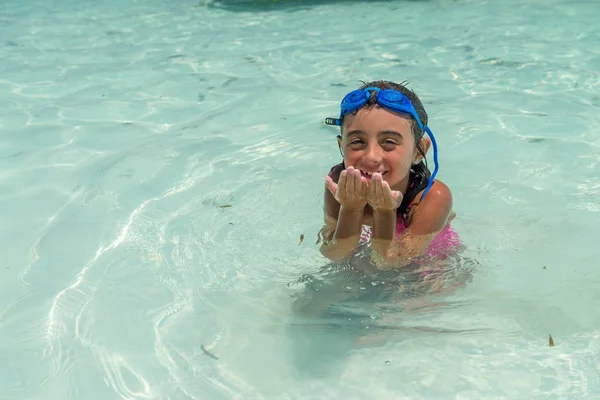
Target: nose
{"x": 372, "y": 154}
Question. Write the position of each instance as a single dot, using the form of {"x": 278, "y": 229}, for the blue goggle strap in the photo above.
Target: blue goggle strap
{"x": 435, "y": 162}
{"x": 333, "y": 121}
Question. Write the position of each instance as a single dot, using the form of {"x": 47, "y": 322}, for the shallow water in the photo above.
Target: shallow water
{"x": 127, "y": 127}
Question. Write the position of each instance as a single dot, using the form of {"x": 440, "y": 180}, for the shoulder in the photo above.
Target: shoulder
{"x": 433, "y": 212}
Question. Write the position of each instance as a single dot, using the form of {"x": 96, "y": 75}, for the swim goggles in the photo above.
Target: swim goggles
{"x": 393, "y": 100}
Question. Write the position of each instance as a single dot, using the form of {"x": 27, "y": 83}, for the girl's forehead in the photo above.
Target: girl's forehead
{"x": 377, "y": 119}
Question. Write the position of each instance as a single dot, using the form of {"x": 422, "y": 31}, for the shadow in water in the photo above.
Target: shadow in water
{"x": 291, "y": 5}
{"x": 339, "y": 309}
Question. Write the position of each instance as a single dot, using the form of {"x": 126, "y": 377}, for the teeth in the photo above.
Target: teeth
{"x": 371, "y": 173}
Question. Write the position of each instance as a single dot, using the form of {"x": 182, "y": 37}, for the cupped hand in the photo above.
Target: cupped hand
{"x": 381, "y": 197}
{"x": 351, "y": 189}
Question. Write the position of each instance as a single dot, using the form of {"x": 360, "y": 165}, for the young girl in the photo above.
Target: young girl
{"x": 383, "y": 194}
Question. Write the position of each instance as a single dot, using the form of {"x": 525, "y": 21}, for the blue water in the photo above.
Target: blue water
{"x": 126, "y": 127}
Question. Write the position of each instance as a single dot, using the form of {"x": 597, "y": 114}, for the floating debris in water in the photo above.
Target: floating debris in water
{"x": 208, "y": 353}
{"x": 388, "y": 362}
{"x": 225, "y": 206}
{"x": 229, "y": 82}
{"x": 536, "y": 140}
{"x": 550, "y": 340}
{"x": 301, "y": 239}
{"x": 492, "y": 61}
{"x": 534, "y": 113}
{"x": 155, "y": 257}
{"x": 544, "y": 267}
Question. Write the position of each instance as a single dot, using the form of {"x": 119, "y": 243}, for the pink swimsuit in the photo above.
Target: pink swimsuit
{"x": 442, "y": 244}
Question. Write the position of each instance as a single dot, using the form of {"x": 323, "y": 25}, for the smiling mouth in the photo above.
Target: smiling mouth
{"x": 369, "y": 174}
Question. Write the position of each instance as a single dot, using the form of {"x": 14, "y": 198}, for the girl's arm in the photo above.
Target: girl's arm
{"x": 341, "y": 232}
{"x": 384, "y": 230}
{"x": 385, "y": 203}
{"x": 428, "y": 218}
{"x": 343, "y": 224}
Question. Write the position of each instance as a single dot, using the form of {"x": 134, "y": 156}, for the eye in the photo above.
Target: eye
{"x": 355, "y": 142}
{"x": 389, "y": 144}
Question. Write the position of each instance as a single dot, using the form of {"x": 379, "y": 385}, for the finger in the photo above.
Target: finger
{"x": 331, "y": 185}
{"x": 376, "y": 182}
{"x": 350, "y": 182}
{"x": 364, "y": 186}
{"x": 398, "y": 196}
{"x": 391, "y": 194}
{"x": 387, "y": 193}
{"x": 394, "y": 196}
{"x": 341, "y": 186}
{"x": 379, "y": 189}
{"x": 371, "y": 195}
{"x": 377, "y": 179}
{"x": 358, "y": 183}
{"x": 371, "y": 198}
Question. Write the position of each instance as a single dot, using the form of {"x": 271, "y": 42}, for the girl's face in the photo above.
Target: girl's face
{"x": 378, "y": 140}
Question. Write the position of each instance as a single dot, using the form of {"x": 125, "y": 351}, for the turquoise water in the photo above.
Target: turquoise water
{"x": 127, "y": 126}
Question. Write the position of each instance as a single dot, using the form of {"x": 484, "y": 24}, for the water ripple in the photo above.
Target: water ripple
{"x": 160, "y": 165}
